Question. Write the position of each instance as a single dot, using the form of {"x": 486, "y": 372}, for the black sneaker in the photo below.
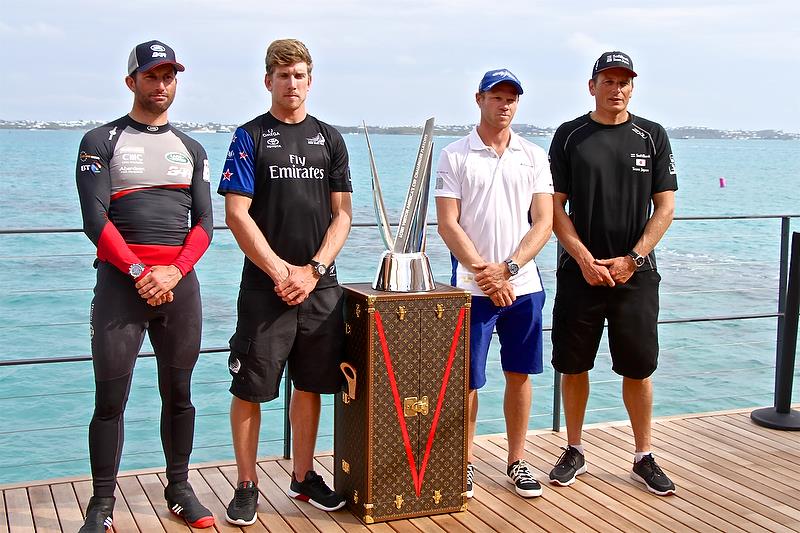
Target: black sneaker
{"x": 314, "y": 491}
{"x": 570, "y": 464}
{"x": 470, "y": 477}
{"x": 182, "y": 501}
{"x": 520, "y": 475}
{"x": 242, "y": 509}
{"x": 648, "y": 472}
{"x": 99, "y": 515}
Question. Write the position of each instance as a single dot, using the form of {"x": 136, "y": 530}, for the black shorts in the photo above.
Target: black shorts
{"x": 631, "y": 309}
{"x": 310, "y": 336}
{"x": 119, "y": 318}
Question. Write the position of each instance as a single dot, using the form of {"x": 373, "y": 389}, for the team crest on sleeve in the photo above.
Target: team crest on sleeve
{"x": 317, "y": 139}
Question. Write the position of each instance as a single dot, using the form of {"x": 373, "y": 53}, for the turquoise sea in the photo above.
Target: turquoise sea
{"x": 709, "y": 268}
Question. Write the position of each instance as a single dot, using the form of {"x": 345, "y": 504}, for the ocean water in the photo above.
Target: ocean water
{"x": 709, "y": 268}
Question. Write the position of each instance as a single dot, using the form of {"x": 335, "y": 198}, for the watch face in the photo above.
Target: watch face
{"x": 136, "y": 270}
{"x": 321, "y": 269}
{"x": 513, "y": 268}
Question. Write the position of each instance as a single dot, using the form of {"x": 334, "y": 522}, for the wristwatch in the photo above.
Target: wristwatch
{"x": 135, "y": 270}
{"x": 319, "y": 268}
{"x": 513, "y": 268}
{"x": 638, "y": 260}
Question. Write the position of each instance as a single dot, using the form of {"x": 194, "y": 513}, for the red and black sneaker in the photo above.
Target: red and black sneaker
{"x": 315, "y": 491}
{"x": 182, "y": 501}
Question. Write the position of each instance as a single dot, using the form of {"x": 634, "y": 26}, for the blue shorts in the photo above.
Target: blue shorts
{"x": 519, "y": 327}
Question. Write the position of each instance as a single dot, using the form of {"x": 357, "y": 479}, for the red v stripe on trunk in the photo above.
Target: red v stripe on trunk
{"x": 417, "y": 477}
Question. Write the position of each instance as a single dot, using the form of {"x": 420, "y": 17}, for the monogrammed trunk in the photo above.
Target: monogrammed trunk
{"x": 401, "y": 422}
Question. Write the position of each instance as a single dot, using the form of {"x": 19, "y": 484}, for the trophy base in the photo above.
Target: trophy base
{"x": 409, "y": 272}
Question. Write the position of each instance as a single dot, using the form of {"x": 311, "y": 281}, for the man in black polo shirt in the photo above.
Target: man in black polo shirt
{"x": 611, "y": 166}
{"x": 287, "y": 192}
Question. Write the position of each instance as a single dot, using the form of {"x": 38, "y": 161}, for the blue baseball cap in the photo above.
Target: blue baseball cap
{"x": 493, "y": 77}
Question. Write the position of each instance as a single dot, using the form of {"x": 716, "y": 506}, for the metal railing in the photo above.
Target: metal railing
{"x": 556, "y": 399}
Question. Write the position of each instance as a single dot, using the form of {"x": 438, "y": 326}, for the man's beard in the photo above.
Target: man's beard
{"x": 155, "y": 108}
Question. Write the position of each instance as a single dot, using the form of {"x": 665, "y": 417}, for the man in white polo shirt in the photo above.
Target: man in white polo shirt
{"x": 494, "y": 206}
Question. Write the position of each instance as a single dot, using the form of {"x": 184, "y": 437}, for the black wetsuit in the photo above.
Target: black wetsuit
{"x": 144, "y": 193}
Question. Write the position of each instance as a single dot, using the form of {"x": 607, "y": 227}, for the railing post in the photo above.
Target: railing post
{"x": 782, "y": 416}
{"x": 782, "y": 278}
{"x": 556, "y": 374}
{"x": 287, "y": 423}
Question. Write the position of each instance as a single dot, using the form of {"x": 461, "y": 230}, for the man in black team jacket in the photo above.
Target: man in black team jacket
{"x": 610, "y": 166}
{"x": 146, "y": 205}
{"x": 287, "y": 201}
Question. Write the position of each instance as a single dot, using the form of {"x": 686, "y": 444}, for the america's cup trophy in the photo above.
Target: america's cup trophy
{"x": 404, "y": 267}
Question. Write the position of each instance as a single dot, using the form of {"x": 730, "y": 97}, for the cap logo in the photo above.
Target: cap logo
{"x": 611, "y": 58}
{"x": 158, "y": 48}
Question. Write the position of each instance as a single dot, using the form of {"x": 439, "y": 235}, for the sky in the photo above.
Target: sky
{"x": 725, "y": 64}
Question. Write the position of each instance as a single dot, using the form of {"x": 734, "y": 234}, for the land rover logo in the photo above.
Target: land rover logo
{"x": 175, "y": 157}
{"x": 158, "y": 48}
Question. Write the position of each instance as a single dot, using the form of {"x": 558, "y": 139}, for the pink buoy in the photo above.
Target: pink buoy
{"x": 722, "y": 182}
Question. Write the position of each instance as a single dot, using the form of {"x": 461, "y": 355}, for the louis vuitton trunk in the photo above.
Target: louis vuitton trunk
{"x": 401, "y": 422}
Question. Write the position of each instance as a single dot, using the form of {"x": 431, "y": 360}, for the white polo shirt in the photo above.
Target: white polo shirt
{"x": 496, "y": 195}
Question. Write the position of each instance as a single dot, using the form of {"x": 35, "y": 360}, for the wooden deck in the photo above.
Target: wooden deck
{"x": 731, "y": 475}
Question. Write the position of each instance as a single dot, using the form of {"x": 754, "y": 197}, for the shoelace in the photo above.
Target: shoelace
{"x": 318, "y": 482}
{"x": 570, "y": 456}
{"x": 521, "y": 473}
{"x": 244, "y": 497}
{"x": 651, "y": 464}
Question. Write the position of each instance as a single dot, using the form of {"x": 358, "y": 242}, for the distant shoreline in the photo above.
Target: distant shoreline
{"x": 529, "y": 130}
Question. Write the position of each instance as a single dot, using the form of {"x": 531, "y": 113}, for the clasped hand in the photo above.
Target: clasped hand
{"x": 156, "y": 287}
{"x": 492, "y": 279}
{"x": 297, "y": 284}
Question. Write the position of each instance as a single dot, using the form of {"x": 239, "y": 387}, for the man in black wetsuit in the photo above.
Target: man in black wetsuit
{"x": 287, "y": 202}
{"x": 146, "y": 205}
{"x": 617, "y": 172}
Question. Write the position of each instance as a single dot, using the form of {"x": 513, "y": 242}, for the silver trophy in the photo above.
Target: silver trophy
{"x": 404, "y": 267}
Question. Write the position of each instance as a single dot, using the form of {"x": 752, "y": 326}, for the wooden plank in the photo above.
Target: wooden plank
{"x": 560, "y": 508}
{"x": 616, "y": 471}
{"x": 711, "y": 500}
{"x": 70, "y": 515}
{"x": 3, "y": 515}
{"x": 154, "y": 490}
{"x": 707, "y": 435}
{"x": 727, "y": 474}
{"x": 346, "y": 519}
{"x": 788, "y": 438}
{"x": 18, "y": 508}
{"x": 208, "y": 499}
{"x": 123, "y": 518}
{"x": 268, "y": 516}
{"x": 313, "y": 517}
{"x": 606, "y": 494}
{"x": 723, "y": 495}
{"x": 610, "y": 480}
{"x": 582, "y": 497}
{"x": 742, "y": 465}
{"x": 45, "y": 518}
{"x": 763, "y": 441}
{"x": 687, "y": 501}
{"x": 542, "y": 512}
{"x": 146, "y": 517}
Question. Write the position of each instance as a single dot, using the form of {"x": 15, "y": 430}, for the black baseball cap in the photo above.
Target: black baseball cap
{"x": 613, "y": 60}
{"x": 149, "y": 55}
